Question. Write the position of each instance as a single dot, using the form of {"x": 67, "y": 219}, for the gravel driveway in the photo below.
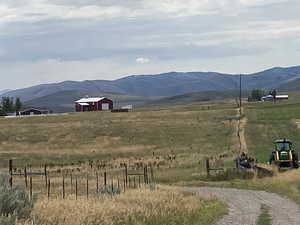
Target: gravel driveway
{"x": 245, "y": 206}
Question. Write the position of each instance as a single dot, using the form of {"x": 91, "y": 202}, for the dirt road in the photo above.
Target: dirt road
{"x": 241, "y": 135}
{"x": 244, "y": 206}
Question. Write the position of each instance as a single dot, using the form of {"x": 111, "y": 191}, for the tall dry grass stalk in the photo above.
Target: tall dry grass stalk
{"x": 122, "y": 209}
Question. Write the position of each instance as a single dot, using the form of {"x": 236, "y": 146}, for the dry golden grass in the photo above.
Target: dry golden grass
{"x": 132, "y": 207}
{"x": 190, "y": 133}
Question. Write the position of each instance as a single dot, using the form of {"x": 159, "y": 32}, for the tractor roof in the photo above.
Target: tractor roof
{"x": 283, "y": 141}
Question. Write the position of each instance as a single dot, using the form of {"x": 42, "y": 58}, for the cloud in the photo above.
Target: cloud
{"x": 37, "y": 10}
{"x": 52, "y": 40}
{"x": 142, "y": 60}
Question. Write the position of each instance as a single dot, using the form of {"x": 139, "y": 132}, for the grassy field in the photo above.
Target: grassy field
{"x": 174, "y": 139}
{"x": 268, "y": 122}
{"x": 135, "y": 207}
{"x": 187, "y": 133}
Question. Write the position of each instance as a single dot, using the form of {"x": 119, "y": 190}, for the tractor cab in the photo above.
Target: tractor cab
{"x": 283, "y": 155}
{"x": 283, "y": 145}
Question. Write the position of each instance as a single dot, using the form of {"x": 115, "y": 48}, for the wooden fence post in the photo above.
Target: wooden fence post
{"x": 63, "y": 187}
{"x": 30, "y": 188}
{"x": 126, "y": 174}
{"x": 152, "y": 174}
{"x": 207, "y": 167}
{"x": 87, "y": 186}
{"x": 76, "y": 188}
{"x": 71, "y": 181}
{"x": 11, "y": 181}
{"x": 146, "y": 175}
{"x": 105, "y": 181}
{"x": 129, "y": 181}
{"x": 97, "y": 182}
{"x": 45, "y": 174}
{"x": 25, "y": 177}
{"x": 139, "y": 181}
{"x": 49, "y": 186}
{"x": 124, "y": 185}
{"x": 10, "y": 165}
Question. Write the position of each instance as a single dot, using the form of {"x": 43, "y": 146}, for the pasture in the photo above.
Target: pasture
{"x": 175, "y": 138}
{"x": 270, "y": 121}
{"x": 174, "y": 141}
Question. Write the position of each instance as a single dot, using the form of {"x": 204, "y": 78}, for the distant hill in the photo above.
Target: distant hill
{"x": 4, "y": 91}
{"x": 293, "y": 85}
{"x": 63, "y": 101}
{"x": 199, "y": 97}
{"x": 167, "y": 84}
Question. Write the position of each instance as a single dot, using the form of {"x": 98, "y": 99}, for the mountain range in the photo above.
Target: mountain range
{"x": 142, "y": 88}
{"x": 4, "y": 91}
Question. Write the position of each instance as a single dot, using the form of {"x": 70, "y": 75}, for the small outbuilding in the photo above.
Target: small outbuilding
{"x": 282, "y": 97}
{"x": 93, "y": 104}
{"x": 271, "y": 98}
{"x": 34, "y": 111}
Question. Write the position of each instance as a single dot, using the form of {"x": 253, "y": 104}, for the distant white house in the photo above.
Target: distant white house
{"x": 127, "y": 107}
{"x": 271, "y": 98}
{"x": 282, "y": 97}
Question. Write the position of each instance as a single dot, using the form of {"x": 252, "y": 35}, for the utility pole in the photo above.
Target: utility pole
{"x": 240, "y": 94}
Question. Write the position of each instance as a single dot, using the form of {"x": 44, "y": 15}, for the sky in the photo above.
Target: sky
{"x": 45, "y": 41}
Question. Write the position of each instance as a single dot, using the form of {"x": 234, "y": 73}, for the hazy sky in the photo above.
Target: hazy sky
{"x": 45, "y": 41}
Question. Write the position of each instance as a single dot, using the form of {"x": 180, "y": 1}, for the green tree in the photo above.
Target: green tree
{"x": 18, "y": 105}
{"x": 257, "y": 94}
{"x": 2, "y": 113}
{"x": 8, "y": 104}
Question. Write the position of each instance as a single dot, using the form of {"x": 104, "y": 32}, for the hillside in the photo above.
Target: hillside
{"x": 199, "y": 97}
{"x": 293, "y": 85}
{"x": 167, "y": 84}
{"x": 63, "y": 101}
{"x": 4, "y": 91}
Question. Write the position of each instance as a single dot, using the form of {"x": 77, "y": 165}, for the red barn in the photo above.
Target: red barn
{"x": 93, "y": 104}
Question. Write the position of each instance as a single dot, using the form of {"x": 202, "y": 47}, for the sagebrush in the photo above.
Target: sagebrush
{"x": 14, "y": 202}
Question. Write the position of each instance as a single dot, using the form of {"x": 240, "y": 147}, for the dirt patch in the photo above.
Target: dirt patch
{"x": 244, "y": 206}
{"x": 242, "y": 126}
{"x": 297, "y": 122}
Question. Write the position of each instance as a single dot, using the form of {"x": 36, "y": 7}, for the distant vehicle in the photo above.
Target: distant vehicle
{"x": 284, "y": 156}
{"x": 244, "y": 162}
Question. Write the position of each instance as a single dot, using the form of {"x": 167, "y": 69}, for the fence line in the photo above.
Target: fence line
{"x": 58, "y": 184}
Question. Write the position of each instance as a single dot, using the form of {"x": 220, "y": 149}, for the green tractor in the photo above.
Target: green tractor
{"x": 284, "y": 156}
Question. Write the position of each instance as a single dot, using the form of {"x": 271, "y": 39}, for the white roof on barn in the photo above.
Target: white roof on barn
{"x": 83, "y": 104}
{"x": 86, "y": 100}
{"x": 282, "y": 96}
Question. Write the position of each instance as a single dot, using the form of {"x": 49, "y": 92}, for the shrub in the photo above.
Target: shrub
{"x": 14, "y": 202}
{"x": 109, "y": 190}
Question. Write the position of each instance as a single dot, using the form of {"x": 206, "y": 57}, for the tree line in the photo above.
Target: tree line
{"x": 257, "y": 94}
{"x": 10, "y": 105}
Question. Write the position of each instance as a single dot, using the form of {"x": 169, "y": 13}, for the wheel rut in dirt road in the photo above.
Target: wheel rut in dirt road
{"x": 241, "y": 134}
{"x": 244, "y": 206}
